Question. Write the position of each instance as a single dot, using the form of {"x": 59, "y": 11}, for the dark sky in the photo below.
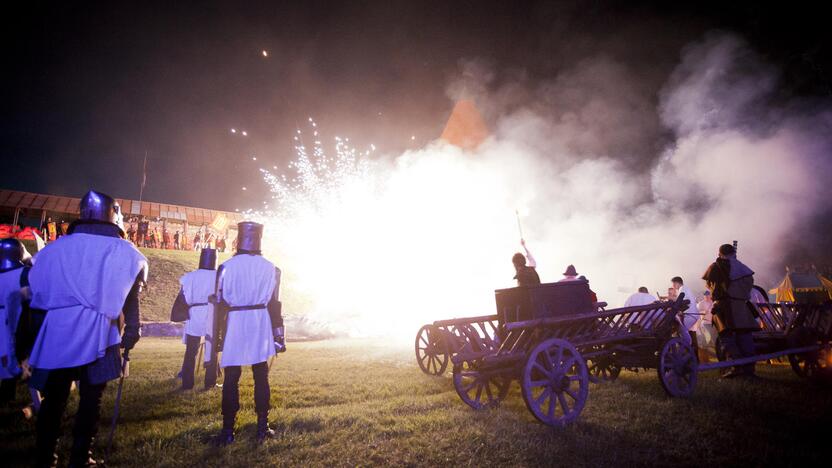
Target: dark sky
{"x": 89, "y": 88}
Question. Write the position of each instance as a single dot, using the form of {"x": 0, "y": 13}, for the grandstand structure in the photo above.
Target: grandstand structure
{"x": 32, "y": 209}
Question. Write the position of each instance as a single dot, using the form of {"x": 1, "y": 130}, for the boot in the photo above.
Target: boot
{"x": 264, "y": 432}
{"x": 81, "y": 453}
{"x": 225, "y": 437}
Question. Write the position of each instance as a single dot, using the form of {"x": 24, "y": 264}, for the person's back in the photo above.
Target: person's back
{"x": 85, "y": 281}
{"x": 640, "y": 299}
{"x": 64, "y": 281}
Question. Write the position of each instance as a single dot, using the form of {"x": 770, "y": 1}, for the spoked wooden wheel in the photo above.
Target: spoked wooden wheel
{"x": 677, "y": 368}
{"x": 479, "y": 390}
{"x": 602, "y": 369}
{"x": 813, "y": 365}
{"x": 431, "y": 352}
{"x": 555, "y": 382}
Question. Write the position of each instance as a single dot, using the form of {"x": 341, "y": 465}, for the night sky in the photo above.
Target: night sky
{"x": 89, "y": 88}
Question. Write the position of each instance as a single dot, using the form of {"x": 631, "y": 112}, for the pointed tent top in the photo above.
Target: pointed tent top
{"x": 465, "y": 128}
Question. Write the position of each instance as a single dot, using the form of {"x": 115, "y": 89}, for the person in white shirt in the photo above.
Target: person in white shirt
{"x": 248, "y": 308}
{"x": 640, "y": 298}
{"x": 690, "y": 316}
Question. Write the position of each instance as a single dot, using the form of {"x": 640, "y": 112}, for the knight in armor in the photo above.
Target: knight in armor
{"x": 192, "y": 306}
{"x": 730, "y": 282}
{"x": 248, "y": 308}
{"x": 85, "y": 281}
{"x": 12, "y": 255}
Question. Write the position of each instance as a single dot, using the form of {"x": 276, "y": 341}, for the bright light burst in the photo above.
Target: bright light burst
{"x": 370, "y": 246}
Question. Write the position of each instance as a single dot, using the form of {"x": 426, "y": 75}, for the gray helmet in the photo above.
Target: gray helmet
{"x": 208, "y": 259}
{"x": 249, "y": 235}
{"x": 97, "y": 206}
{"x": 12, "y": 254}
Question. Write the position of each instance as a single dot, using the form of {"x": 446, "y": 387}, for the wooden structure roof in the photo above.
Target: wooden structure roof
{"x": 69, "y": 205}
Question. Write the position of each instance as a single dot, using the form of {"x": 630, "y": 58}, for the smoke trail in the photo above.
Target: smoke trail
{"x": 629, "y": 190}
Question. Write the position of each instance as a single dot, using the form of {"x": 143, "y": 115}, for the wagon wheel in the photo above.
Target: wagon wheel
{"x": 555, "y": 382}
{"x": 677, "y": 368}
{"x": 603, "y": 369}
{"x": 806, "y": 365}
{"x": 431, "y": 351}
{"x": 477, "y": 389}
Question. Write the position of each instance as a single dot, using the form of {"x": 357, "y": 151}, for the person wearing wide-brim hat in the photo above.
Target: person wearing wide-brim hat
{"x": 571, "y": 274}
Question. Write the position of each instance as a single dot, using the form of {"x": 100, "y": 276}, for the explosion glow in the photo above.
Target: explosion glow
{"x": 372, "y": 247}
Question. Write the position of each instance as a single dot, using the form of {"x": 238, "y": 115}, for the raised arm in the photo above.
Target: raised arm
{"x": 530, "y": 261}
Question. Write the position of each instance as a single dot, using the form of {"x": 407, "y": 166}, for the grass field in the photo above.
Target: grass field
{"x": 365, "y": 402}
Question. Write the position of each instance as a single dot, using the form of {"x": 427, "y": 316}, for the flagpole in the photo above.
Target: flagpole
{"x": 144, "y": 177}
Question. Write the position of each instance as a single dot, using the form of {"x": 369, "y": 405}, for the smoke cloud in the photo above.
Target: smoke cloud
{"x": 631, "y": 186}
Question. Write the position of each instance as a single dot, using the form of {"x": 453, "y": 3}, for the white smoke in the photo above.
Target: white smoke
{"x": 432, "y": 233}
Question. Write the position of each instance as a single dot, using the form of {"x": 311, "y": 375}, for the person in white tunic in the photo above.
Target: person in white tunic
{"x": 690, "y": 316}
{"x": 12, "y": 253}
{"x": 192, "y": 306}
{"x": 22, "y": 321}
{"x": 247, "y": 305}
{"x": 86, "y": 281}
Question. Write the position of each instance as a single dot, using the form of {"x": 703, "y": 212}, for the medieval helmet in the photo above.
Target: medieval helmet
{"x": 208, "y": 259}
{"x": 249, "y": 235}
{"x": 97, "y": 206}
{"x": 12, "y": 254}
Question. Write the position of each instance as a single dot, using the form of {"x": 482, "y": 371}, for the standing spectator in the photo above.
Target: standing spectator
{"x": 707, "y": 334}
{"x": 197, "y": 241}
{"x": 176, "y": 240}
{"x": 221, "y": 244}
{"x": 690, "y": 316}
{"x": 730, "y": 282}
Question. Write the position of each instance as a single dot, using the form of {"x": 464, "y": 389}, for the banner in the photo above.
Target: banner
{"x": 220, "y": 223}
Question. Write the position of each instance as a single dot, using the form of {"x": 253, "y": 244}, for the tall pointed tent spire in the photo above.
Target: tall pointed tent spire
{"x": 465, "y": 128}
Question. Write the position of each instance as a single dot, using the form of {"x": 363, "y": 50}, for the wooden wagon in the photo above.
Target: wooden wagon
{"x": 549, "y": 338}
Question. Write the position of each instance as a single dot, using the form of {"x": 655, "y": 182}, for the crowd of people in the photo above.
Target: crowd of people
{"x": 70, "y": 317}
{"x": 141, "y": 234}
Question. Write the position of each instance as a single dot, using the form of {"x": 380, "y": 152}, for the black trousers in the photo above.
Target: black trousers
{"x": 738, "y": 344}
{"x": 8, "y": 390}
{"x": 189, "y": 363}
{"x": 231, "y": 392}
{"x": 55, "y": 395}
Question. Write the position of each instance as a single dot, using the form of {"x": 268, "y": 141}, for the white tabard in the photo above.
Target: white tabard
{"x": 197, "y": 286}
{"x": 248, "y": 280}
{"x": 82, "y": 281}
{"x": 9, "y": 283}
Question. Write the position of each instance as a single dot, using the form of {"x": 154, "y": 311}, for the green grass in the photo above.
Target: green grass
{"x": 165, "y": 269}
{"x": 365, "y": 402}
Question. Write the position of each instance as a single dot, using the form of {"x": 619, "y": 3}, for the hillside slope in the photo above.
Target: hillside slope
{"x": 166, "y": 267}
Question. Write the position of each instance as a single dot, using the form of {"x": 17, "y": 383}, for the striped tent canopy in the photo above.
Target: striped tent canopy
{"x": 803, "y": 287}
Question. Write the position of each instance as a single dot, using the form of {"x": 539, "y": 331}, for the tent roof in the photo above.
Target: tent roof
{"x": 465, "y": 128}
{"x": 805, "y": 280}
